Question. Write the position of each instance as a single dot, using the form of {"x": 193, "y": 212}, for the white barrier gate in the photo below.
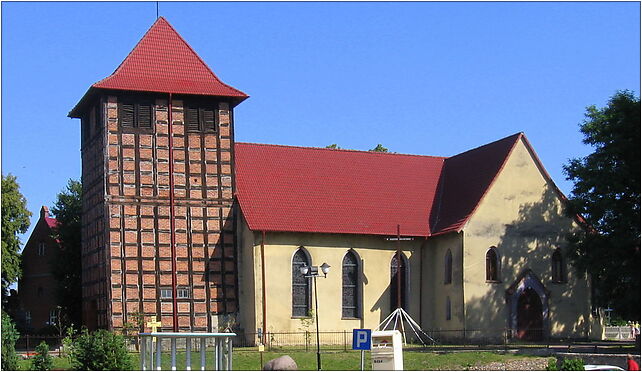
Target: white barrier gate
{"x": 150, "y": 354}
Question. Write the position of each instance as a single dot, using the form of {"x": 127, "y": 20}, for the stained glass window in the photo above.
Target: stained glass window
{"x": 300, "y": 285}
{"x": 350, "y": 296}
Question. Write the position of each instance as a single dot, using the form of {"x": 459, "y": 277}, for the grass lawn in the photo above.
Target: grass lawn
{"x": 330, "y": 360}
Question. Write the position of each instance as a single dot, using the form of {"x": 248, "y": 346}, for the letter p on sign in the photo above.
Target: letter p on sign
{"x": 361, "y": 339}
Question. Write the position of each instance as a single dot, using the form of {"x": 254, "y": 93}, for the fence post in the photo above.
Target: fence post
{"x": 345, "y": 340}
{"x": 307, "y": 340}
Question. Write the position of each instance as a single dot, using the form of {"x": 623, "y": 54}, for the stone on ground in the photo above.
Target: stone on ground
{"x": 282, "y": 363}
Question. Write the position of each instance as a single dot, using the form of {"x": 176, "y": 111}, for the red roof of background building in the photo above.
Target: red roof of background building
{"x": 284, "y": 188}
{"x": 163, "y": 62}
{"x": 51, "y": 222}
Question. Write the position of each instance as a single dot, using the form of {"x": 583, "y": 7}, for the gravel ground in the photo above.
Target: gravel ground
{"x": 526, "y": 364}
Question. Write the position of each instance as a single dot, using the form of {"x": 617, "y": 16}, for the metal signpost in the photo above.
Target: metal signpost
{"x": 362, "y": 340}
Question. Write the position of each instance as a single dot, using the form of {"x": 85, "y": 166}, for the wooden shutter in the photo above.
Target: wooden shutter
{"x": 126, "y": 115}
{"x": 209, "y": 118}
{"x": 144, "y": 115}
{"x": 191, "y": 119}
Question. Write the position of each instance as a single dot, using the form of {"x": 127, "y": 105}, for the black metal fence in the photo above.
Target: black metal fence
{"x": 28, "y": 343}
{"x": 342, "y": 340}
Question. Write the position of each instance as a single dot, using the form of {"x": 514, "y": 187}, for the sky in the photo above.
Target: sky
{"x": 420, "y": 78}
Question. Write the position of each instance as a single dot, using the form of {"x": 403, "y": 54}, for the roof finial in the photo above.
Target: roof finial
{"x": 157, "y": 10}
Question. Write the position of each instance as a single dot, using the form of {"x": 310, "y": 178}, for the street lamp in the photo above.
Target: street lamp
{"x": 313, "y": 272}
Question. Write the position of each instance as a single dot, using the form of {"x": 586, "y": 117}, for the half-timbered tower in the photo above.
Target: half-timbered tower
{"x": 157, "y": 161}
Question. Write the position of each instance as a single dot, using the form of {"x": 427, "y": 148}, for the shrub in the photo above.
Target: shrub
{"x": 572, "y": 365}
{"x": 42, "y": 361}
{"x": 9, "y": 337}
{"x": 99, "y": 351}
{"x": 552, "y": 365}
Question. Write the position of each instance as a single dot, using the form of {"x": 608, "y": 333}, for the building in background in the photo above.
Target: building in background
{"x": 37, "y": 286}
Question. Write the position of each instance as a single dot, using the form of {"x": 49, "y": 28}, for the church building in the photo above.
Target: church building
{"x": 183, "y": 223}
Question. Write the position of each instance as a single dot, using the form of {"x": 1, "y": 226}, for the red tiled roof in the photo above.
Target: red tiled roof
{"x": 51, "y": 222}
{"x": 465, "y": 180}
{"x": 163, "y": 62}
{"x": 284, "y": 188}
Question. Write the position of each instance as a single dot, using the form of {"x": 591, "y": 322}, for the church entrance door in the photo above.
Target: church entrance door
{"x": 530, "y": 321}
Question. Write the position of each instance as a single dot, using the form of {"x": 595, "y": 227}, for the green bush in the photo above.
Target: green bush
{"x": 42, "y": 361}
{"x": 572, "y": 365}
{"x": 552, "y": 365}
{"x": 9, "y": 337}
{"x": 99, "y": 351}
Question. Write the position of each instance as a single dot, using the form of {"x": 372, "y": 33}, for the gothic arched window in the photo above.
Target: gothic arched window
{"x": 448, "y": 267}
{"x": 492, "y": 265}
{"x": 350, "y": 286}
{"x": 559, "y": 272}
{"x": 300, "y": 284}
{"x": 397, "y": 295}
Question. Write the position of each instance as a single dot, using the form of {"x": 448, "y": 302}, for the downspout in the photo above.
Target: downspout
{"x": 171, "y": 215}
{"x": 263, "y": 284}
{"x": 421, "y": 279}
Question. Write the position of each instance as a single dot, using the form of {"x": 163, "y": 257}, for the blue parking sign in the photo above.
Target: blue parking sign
{"x": 361, "y": 339}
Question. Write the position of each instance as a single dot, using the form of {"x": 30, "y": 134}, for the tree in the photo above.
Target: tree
{"x": 606, "y": 193}
{"x": 9, "y": 337}
{"x": 15, "y": 220}
{"x": 333, "y": 146}
{"x": 379, "y": 148}
{"x": 67, "y": 266}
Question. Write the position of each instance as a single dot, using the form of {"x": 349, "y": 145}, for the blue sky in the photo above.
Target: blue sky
{"x": 420, "y": 78}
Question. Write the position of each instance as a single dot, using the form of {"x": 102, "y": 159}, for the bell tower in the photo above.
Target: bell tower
{"x": 157, "y": 153}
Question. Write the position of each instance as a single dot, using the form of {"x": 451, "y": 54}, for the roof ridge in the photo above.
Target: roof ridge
{"x": 343, "y": 150}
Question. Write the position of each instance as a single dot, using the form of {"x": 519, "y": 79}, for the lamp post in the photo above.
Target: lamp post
{"x": 313, "y": 272}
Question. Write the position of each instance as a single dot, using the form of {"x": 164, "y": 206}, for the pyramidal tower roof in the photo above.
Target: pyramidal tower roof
{"x": 163, "y": 62}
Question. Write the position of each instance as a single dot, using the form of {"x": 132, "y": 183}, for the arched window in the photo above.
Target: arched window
{"x": 492, "y": 265}
{"x": 559, "y": 272}
{"x": 300, "y": 284}
{"x": 350, "y": 281}
{"x": 448, "y": 267}
{"x": 448, "y": 309}
{"x": 397, "y": 294}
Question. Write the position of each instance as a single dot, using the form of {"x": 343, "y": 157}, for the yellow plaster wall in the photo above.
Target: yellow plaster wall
{"x": 436, "y": 291}
{"x": 249, "y": 270}
{"x": 522, "y": 216}
{"x": 374, "y": 253}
